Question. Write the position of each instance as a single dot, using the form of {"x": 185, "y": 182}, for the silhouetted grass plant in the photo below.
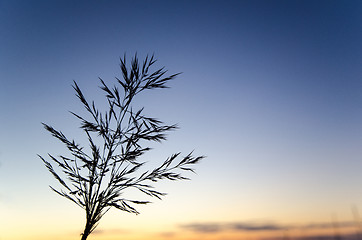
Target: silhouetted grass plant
{"x": 95, "y": 179}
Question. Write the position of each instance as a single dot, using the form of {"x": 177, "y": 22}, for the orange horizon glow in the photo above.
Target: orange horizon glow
{"x": 351, "y": 229}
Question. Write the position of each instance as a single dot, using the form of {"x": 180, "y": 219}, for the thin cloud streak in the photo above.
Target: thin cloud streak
{"x": 204, "y": 227}
{"x": 321, "y": 237}
{"x": 255, "y": 227}
{"x": 258, "y": 227}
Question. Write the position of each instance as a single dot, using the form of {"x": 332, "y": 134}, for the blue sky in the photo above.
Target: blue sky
{"x": 271, "y": 92}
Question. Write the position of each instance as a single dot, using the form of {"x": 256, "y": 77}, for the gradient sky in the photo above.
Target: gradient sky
{"x": 271, "y": 93}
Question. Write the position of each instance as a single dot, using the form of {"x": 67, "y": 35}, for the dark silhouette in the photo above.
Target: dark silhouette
{"x": 95, "y": 179}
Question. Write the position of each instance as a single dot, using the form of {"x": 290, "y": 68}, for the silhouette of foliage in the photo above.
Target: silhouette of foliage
{"x": 95, "y": 179}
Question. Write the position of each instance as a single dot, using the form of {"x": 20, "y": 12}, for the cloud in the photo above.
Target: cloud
{"x": 329, "y": 237}
{"x": 236, "y": 226}
{"x": 204, "y": 227}
{"x": 320, "y": 237}
{"x": 258, "y": 226}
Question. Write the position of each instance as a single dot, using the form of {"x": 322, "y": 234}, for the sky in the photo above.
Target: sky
{"x": 270, "y": 92}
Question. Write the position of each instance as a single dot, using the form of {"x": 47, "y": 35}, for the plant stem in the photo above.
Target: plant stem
{"x": 87, "y": 230}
